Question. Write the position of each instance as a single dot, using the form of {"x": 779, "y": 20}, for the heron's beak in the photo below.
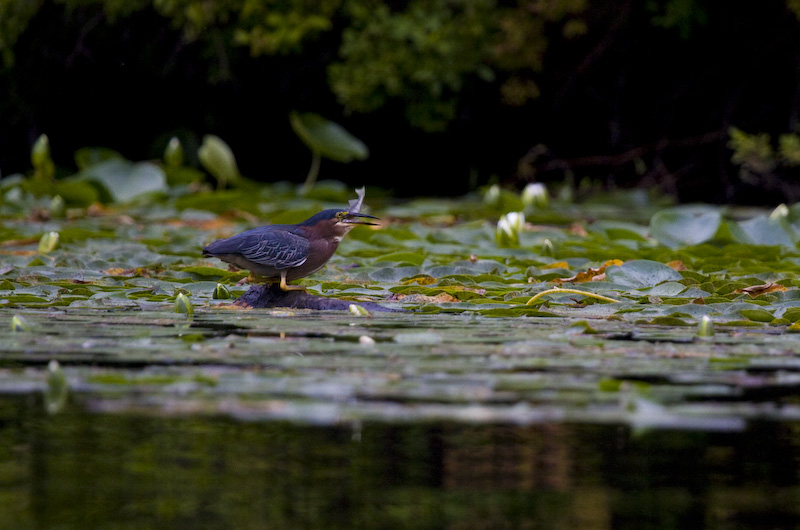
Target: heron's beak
{"x": 355, "y": 219}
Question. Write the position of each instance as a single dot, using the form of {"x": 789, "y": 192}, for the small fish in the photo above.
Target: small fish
{"x": 355, "y": 204}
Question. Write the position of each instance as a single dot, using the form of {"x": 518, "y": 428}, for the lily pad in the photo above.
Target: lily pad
{"x": 327, "y": 138}
{"x": 642, "y": 273}
{"x": 123, "y": 180}
{"x": 685, "y": 225}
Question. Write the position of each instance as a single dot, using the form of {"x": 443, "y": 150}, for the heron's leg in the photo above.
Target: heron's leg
{"x": 286, "y": 287}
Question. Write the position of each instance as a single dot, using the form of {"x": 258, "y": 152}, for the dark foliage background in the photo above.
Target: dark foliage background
{"x": 618, "y": 94}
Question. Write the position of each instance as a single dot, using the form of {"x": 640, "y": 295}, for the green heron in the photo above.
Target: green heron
{"x": 288, "y": 252}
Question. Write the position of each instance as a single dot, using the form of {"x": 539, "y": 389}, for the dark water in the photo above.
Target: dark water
{"x": 113, "y": 471}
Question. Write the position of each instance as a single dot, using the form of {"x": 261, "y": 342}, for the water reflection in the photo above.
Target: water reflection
{"x": 80, "y": 470}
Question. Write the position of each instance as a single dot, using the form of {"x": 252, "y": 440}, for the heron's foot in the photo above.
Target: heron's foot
{"x": 286, "y": 287}
{"x": 254, "y": 278}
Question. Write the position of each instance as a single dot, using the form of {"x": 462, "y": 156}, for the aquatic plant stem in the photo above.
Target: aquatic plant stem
{"x": 570, "y": 291}
{"x": 313, "y": 171}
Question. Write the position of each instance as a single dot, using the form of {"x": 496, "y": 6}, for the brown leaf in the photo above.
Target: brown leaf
{"x": 440, "y": 298}
{"x": 138, "y": 271}
{"x": 19, "y": 242}
{"x": 422, "y": 279}
{"x": 677, "y": 265}
{"x": 585, "y": 276}
{"x": 19, "y": 252}
{"x": 757, "y": 290}
{"x": 592, "y": 275}
{"x": 556, "y": 265}
{"x": 578, "y": 229}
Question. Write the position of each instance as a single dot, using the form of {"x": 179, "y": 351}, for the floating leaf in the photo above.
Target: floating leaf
{"x": 685, "y": 225}
{"x": 591, "y": 275}
{"x": 758, "y": 290}
{"x": 757, "y": 315}
{"x": 641, "y": 273}
{"x": 763, "y": 230}
{"x": 123, "y": 180}
{"x": 415, "y": 258}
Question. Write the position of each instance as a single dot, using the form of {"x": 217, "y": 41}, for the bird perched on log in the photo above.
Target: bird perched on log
{"x": 283, "y": 253}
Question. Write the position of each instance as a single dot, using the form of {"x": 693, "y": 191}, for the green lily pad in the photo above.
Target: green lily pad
{"x": 685, "y": 225}
{"x": 327, "y": 138}
{"x": 642, "y": 273}
{"x": 123, "y": 180}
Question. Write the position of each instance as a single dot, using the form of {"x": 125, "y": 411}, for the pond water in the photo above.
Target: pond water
{"x": 281, "y": 419}
{"x": 111, "y": 470}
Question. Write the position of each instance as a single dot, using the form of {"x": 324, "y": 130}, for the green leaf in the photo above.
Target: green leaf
{"x": 757, "y": 315}
{"x": 415, "y": 258}
{"x": 685, "y": 225}
{"x": 77, "y": 192}
{"x": 124, "y": 180}
{"x": 762, "y": 230}
{"x": 207, "y": 272}
{"x": 641, "y": 273}
{"x": 90, "y": 156}
{"x": 327, "y": 138}
{"x": 217, "y": 157}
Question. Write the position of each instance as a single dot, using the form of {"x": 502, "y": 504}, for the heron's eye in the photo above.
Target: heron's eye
{"x": 340, "y": 215}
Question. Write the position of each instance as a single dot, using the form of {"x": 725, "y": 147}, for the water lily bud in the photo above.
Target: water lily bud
{"x": 48, "y": 242}
{"x": 548, "y": 249}
{"x": 217, "y": 157}
{"x": 705, "y": 328}
{"x": 221, "y": 292}
{"x": 183, "y": 304}
{"x": 516, "y": 220}
{"x": 173, "y": 154}
{"x": 508, "y": 228}
{"x": 779, "y": 213}
{"x": 57, "y": 206}
{"x": 492, "y": 195}
{"x": 505, "y": 235}
{"x": 45, "y": 169}
{"x": 19, "y": 324}
{"x": 366, "y": 340}
{"x": 55, "y": 396}
{"x": 358, "y": 311}
{"x": 40, "y": 153}
{"x": 536, "y": 195}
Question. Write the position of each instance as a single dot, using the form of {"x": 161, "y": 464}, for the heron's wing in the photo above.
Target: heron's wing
{"x": 272, "y": 248}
